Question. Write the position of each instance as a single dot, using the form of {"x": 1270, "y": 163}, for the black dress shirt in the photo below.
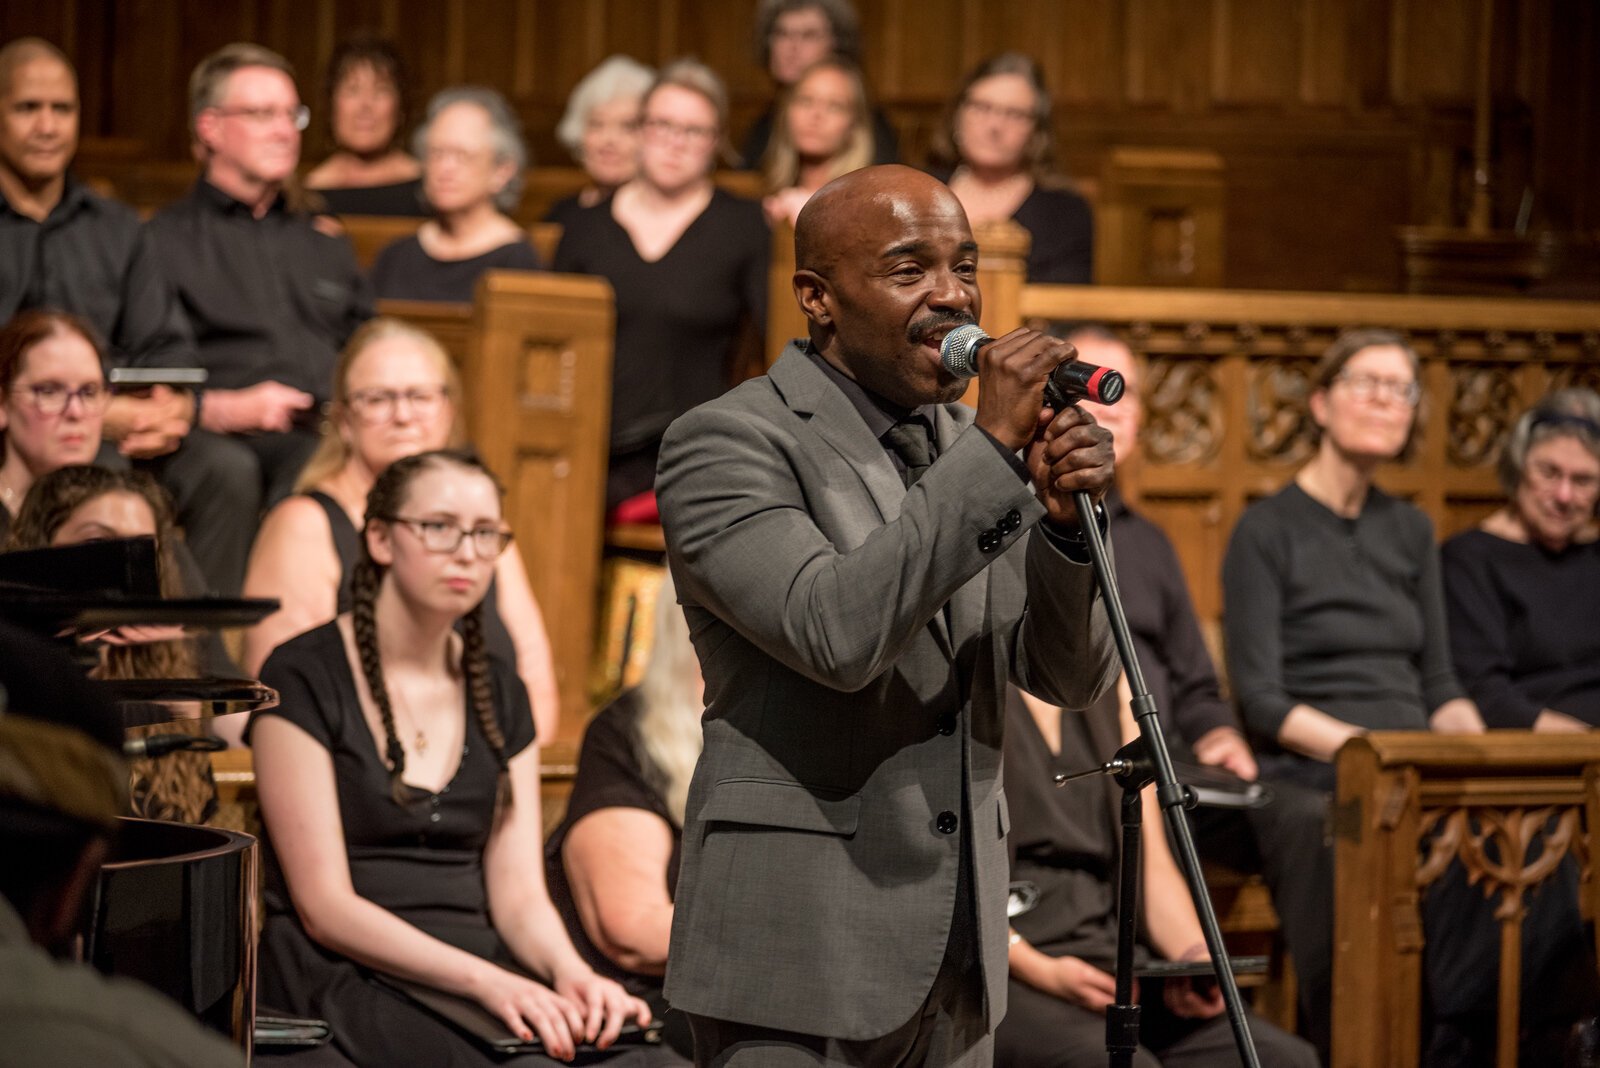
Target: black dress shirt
{"x": 269, "y": 299}
{"x": 90, "y": 257}
{"x": 1166, "y": 635}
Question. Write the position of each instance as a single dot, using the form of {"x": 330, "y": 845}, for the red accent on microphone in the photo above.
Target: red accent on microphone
{"x": 1091, "y": 388}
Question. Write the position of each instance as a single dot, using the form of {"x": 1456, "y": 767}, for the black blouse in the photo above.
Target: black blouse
{"x": 396, "y": 198}
{"x": 678, "y": 319}
{"x": 405, "y": 271}
{"x": 1524, "y": 627}
{"x": 422, "y": 861}
{"x": 1064, "y": 839}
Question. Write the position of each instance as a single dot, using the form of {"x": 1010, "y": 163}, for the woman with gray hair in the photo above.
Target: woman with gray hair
{"x": 601, "y": 130}
{"x": 1522, "y": 588}
{"x": 473, "y": 157}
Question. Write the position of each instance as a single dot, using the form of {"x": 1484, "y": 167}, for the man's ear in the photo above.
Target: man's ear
{"x": 815, "y": 297}
{"x": 205, "y": 128}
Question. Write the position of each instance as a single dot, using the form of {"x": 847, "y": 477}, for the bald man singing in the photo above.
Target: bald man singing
{"x": 864, "y": 564}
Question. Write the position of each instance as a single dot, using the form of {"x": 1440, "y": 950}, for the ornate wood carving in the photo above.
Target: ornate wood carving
{"x": 1483, "y": 405}
{"x": 1183, "y": 420}
{"x": 1280, "y": 428}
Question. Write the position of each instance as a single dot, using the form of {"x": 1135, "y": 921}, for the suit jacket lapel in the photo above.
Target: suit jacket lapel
{"x": 807, "y": 391}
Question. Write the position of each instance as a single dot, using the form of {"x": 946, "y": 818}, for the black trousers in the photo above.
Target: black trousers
{"x": 1043, "y": 1031}
{"x": 1289, "y": 843}
{"x": 221, "y": 484}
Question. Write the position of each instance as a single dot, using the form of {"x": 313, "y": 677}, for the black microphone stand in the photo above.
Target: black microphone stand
{"x": 1139, "y": 763}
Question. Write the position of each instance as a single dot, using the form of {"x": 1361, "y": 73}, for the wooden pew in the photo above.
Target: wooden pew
{"x": 535, "y": 356}
{"x": 1407, "y": 805}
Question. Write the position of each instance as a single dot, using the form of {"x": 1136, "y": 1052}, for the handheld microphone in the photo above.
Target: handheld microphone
{"x": 1069, "y": 383}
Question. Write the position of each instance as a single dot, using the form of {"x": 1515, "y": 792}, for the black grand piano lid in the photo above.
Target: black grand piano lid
{"x": 109, "y": 583}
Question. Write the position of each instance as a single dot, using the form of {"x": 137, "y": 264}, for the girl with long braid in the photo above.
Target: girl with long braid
{"x": 399, "y": 787}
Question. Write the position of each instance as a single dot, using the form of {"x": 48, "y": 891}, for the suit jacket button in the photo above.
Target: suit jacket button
{"x": 946, "y": 823}
{"x": 1010, "y": 522}
{"x": 947, "y": 725}
{"x": 989, "y": 541}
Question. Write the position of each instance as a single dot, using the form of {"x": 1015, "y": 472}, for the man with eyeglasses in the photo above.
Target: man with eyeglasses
{"x": 64, "y": 247}
{"x": 270, "y": 298}
{"x": 791, "y": 36}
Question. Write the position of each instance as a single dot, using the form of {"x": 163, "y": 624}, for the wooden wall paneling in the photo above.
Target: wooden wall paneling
{"x": 1168, "y": 52}
{"x": 539, "y": 387}
{"x": 1084, "y": 53}
{"x": 1256, "y": 50}
{"x": 1434, "y": 54}
{"x": 1324, "y": 60}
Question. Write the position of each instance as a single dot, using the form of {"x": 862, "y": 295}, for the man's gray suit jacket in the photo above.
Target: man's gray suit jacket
{"x": 846, "y": 708}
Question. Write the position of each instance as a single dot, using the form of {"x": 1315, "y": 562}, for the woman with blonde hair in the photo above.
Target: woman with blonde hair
{"x": 395, "y": 393}
{"x": 824, "y": 130}
{"x": 612, "y": 864}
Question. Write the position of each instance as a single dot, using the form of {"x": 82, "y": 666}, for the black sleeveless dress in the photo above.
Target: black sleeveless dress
{"x": 347, "y": 546}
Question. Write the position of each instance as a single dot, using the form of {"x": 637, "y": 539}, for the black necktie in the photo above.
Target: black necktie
{"x": 909, "y": 440}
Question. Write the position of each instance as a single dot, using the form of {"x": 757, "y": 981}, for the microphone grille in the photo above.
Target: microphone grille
{"x": 959, "y": 350}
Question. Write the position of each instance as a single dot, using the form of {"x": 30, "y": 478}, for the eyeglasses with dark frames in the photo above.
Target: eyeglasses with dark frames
{"x": 443, "y": 536}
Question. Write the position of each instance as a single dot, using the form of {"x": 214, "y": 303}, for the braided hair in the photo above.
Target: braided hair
{"x": 387, "y": 499}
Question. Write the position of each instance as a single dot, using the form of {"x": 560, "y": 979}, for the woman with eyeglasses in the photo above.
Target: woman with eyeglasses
{"x": 1523, "y": 588}
{"x": 395, "y": 394}
{"x": 53, "y": 398}
{"x": 824, "y": 130}
{"x": 688, "y": 264}
{"x": 399, "y": 785}
{"x": 473, "y": 157}
{"x": 994, "y": 149}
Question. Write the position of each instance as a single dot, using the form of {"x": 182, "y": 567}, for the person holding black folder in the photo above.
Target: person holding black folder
{"x": 399, "y": 785}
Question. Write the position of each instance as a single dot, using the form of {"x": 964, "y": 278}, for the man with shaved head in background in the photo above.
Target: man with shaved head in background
{"x": 62, "y": 246}
{"x": 858, "y": 561}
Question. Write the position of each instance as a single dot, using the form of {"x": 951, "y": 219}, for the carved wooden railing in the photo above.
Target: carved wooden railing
{"x": 1510, "y": 806}
{"x": 1225, "y": 387}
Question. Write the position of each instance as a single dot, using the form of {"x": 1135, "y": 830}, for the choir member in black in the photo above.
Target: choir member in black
{"x": 473, "y": 157}
{"x": 823, "y": 131}
{"x": 995, "y": 148}
{"x": 791, "y": 36}
{"x": 688, "y": 263}
{"x": 399, "y": 785}
{"x": 601, "y": 129}
{"x": 1286, "y": 840}
{"x": 395, "y": 393}
{"x": 1523, "y": 588}
{"x": 63, "y": 246}
{"x": 1064, "y": 840}
{"x": 368, "y": 172}
{"x": 269, "y": 296}
{"x": 53, "y": 398}
{"x": 612, "y": 864}
{"x": 1335, "y": 625}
